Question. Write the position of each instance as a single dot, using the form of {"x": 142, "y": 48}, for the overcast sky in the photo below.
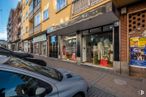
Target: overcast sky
{"x": 5, "y": 7}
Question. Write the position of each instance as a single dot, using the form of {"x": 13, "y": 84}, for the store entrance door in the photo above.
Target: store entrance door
{"x": 54, "y": 46}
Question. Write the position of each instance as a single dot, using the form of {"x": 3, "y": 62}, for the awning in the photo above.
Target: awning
{"x": 121, "y": 3}
{"x": 103, "y": 19}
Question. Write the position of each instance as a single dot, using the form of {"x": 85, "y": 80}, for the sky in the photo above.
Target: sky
{"x": 5, "y": 7}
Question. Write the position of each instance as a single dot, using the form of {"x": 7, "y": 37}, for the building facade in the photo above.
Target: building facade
{"x": 100, "y": 33}
{"x": 14, "y": 28}
{"x": 133, "y": 36}
{"x": 92, "y": 34}
{"x": 10, "y": 29}
{"x": 40, "y": 17}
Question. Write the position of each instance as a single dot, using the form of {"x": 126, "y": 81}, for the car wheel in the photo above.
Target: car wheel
{"x": 78, "y": 95}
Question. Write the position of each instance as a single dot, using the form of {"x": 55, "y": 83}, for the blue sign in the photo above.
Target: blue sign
{"x": 53, "y": 39}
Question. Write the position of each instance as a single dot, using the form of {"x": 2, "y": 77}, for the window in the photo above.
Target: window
{"x": 26, "y": 1}
{"x": 45, "y": 14}
{"x": 18, "y": 85}
{"x": 36, "y": 3}
{"x": 37, "y": 20}
{"x": 61, "y": 4}
{"x": 31, "y": 7}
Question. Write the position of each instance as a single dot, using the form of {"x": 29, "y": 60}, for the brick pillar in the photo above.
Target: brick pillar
{"x": 124, "y": 45}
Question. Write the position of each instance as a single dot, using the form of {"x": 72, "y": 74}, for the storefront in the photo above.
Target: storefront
{"x": 69, "y": 48}
{"x": 40, "y": 45}
{"x": 91, "y": 37}
{"x": 98, "y": 45}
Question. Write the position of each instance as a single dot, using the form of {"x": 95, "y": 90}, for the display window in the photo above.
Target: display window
{"x": 69, "y": 48}
{"x": 100, "y": 49}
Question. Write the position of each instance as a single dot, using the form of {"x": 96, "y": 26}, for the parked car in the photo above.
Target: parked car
{"x": 20, "y": 78}
{"x": 22, "y": 55}
{"x": 15, "y": 53}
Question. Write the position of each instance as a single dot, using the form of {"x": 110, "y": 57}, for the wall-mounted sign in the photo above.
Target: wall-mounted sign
{"x": 53, "y": 39}
{"x": 138, "y": 51}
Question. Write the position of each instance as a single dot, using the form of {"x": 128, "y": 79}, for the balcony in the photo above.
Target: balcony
{"x": 82, "y": 5}
{"x": 37, "y": 29}
{"x": 37, "y": 7}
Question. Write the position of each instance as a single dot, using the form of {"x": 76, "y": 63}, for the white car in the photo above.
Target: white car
{"x": 19, "y": 78}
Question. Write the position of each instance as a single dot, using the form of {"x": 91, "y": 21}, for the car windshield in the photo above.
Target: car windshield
{"x": 46, "y": 71}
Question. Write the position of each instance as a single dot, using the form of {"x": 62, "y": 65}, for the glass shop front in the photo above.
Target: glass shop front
{"x": 69, "y": 48}
{"x": 98, "y": 46}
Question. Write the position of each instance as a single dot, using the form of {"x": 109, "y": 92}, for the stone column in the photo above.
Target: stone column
{"x": 78, "y": 52}
{"x": 60, "y": 44}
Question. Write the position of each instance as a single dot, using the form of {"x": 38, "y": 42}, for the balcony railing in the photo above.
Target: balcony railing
{"x": 37, "y": 8}
{"x": 81, "y": 5}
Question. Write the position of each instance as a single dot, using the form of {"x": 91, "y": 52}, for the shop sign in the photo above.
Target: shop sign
{"x": 53, "y": 39}
{"x": 40, "y": 38}
{"x": 138, "y": 51}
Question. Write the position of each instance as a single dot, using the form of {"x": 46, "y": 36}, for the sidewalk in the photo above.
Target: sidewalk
{"x": 103, "y": 83}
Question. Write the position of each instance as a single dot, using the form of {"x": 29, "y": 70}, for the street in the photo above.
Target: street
{"x": 103, "y": 83}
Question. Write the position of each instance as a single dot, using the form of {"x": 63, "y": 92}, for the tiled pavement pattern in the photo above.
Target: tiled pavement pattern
{"x": 103, "y": 83}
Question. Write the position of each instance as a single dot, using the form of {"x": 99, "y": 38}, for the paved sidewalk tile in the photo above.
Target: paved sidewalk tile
{"x": 103, "y": 83}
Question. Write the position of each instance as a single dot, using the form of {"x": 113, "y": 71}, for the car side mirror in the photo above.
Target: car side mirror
{"x": 40, "y": 90}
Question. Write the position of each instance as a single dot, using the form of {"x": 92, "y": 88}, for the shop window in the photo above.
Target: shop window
{"x": 69, "y": 48}
{"x": 100, "y": 49}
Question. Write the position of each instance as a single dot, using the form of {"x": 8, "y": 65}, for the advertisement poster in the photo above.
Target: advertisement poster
{"x": 138, "y": 51}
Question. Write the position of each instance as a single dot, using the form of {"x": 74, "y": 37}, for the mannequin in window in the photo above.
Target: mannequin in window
{"x": 100, "y": 48}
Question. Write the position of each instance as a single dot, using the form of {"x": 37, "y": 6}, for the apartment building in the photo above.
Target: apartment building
{"x": 14, "y": 28}
{"x": 93, "y": 32}
{"x": 40, "y": 17}
{"x": 10, "y": 29}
